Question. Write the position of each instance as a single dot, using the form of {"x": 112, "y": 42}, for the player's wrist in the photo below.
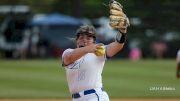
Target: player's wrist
{"x": 122, "y": 30}
{"x": 86, "y": 49}
{"x": 89, "y": 49}
{"x": 121, "y": 37}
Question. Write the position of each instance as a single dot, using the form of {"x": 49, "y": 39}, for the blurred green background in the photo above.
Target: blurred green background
{"x": 121, "y": 78}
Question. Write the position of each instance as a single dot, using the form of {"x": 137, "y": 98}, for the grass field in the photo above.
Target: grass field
{"x": 121, "y": 78}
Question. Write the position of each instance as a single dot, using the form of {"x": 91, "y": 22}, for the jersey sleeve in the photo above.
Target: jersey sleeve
{"x": 67, "y": 51}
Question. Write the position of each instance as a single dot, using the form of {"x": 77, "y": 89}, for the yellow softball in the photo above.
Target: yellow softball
{"x": 100, "y": 51}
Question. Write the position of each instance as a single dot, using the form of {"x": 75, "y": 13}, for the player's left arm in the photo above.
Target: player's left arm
{"x": 116, "y": 46}
{"x": 120, "y": 21}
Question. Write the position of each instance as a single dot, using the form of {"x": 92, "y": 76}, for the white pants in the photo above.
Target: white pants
{"x": 99, "y": 95}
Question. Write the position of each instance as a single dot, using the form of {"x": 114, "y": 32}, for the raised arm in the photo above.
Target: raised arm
{"x": 120, "y": 21}
{"x": 114, "y": 47}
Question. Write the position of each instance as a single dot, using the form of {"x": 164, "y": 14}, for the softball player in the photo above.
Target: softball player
{"x": 83, "y": 67}
{"x": 178, "y": 64}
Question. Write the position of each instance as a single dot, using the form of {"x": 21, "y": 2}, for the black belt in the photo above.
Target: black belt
{"x": 86, "y": 92}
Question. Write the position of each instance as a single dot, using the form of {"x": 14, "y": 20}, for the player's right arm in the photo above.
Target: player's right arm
{"x": 71, "y": 56}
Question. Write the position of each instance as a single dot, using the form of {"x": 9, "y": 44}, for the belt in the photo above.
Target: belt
{"x": 86, "y": 92}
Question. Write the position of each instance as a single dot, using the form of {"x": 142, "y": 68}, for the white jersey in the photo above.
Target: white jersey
{"x": 84, "y": 73}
